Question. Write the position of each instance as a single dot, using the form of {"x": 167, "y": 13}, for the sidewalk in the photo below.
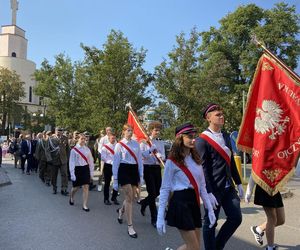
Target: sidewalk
{"x": 30, "y": 207}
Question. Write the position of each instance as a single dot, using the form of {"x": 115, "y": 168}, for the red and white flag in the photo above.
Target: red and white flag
{"x": 138, "y": 130}
{"x": 271, "y": 124}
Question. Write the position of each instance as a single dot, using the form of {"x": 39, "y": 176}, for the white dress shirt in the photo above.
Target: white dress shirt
{"x": 148, "y": 157}
{"x": 102, "y": 141}
{"x": 77, "y": 160}
{"x": 123, "y": 156}
{"x": 106, "y": 155}
{"x": 174, "y": 179}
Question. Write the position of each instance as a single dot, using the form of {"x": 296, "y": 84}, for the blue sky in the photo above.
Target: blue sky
{"x": 55, "y": 26}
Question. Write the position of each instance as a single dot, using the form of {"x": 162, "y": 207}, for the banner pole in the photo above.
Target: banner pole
{"x": 293, "y": 74}
{"x": 143, "y": 129}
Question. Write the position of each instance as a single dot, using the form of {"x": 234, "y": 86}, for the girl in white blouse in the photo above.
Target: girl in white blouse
{"x": 184, "y": 177}
{"x": 81, "y": 165}
{"x": 128, "y": 173}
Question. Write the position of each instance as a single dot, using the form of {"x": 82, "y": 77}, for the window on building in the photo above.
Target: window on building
{"x": 14, "y": 54}
{"x": 41, "y": 100}
{"x": 30, "y": 94}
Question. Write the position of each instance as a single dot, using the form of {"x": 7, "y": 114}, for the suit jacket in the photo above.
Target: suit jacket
{"x": 215, "y": 168}
{"x": 24, "y": 148}
{"x": 42, "y": 151}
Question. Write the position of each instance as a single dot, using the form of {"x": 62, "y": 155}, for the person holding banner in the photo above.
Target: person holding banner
{"x": 153, "y": 153}
{"x": 220, "y": 171}
{"x": 81, "y": 165}
{"x": 107, "y": 156}
{"x": 184, "y": 177}
{"x": 128, "y": 173}
{"x": 274, "y": 209}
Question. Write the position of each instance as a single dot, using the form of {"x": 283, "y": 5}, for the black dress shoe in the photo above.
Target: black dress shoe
{"x": 85, "y": 209}
{"x": 120, "y": 213}
{"x": 92, "y": 186}
{"x": 71, "y": 202}
{"x": 64, "y": 192}
{"x": 153, "y": 223}
{"x": 115, "y": 201}
{"x": 107, "y": 202}
{"x": 54, "y": 191}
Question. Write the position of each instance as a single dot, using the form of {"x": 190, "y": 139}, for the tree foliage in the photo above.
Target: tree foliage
{"x": 92, "y": 94}
{"x": 218, "y": 65}
{"x": 11, "y": 90}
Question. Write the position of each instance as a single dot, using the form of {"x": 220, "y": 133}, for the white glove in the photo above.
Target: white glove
{"x": 73, "y": 177}
{"x": 153, "y": 148}
{"x": 158, "y": 155}
{"x": 161, "y": 226}
{"x": 212, "y": 218}
{"x": 116, "y": 185}
{"x": 240, "y": 190}
{"x": 249, "y": 190}
{"x": 213, "y": 201}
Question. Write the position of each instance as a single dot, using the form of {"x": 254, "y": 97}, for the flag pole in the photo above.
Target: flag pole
{"x": 280, "y": 62}
{"x": 128, "y": 105}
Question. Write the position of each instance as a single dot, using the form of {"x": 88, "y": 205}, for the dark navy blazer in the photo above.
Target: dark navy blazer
{"x": 215, "y": 168}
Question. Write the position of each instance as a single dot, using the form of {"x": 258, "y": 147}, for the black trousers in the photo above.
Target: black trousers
{"x": 107, "y": 170}
{"x": 29, "y": 159}
{"x": 152, "y": 177}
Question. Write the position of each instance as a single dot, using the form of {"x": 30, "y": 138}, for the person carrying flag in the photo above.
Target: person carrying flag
{"x": 153, "y": 152}
{"x": 219, "y": 168}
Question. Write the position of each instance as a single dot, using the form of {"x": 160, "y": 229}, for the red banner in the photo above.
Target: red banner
{"x": 138, "y": 131}
{"x": 271, "y": 125}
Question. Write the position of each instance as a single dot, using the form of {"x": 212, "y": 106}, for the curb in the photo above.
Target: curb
{"x": 4, "y": 179}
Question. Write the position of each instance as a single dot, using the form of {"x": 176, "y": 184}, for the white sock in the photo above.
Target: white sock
{"x": 258, "y": 229}
{"x": 270, "y": 248}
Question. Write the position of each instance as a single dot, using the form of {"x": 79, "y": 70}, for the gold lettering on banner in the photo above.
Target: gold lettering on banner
{"x": 284, "y": 154}
{"x": 266, "y": 66}
{"x": 290, "y": 92}
{"x": 271, "y": 174}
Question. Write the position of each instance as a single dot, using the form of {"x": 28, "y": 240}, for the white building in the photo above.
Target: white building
{"x": 13, "y": 56}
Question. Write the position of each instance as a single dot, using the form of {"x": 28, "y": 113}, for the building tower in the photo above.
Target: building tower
{"x": 13, "y": 56}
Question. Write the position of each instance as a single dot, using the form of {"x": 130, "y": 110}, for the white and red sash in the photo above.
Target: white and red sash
{"x": 210, "y": 138}
{"x": 190, "y": 176}
{"x": 109, "y": 149}
{"x": 81, "y": 154}
{"x": 130, "y": 151}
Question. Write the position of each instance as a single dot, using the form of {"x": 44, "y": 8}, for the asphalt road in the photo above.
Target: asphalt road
{"x": 33, "y": 218}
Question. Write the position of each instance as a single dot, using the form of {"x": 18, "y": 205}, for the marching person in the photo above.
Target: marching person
{"x": 274, "y": 209}
{"x": 128, "y": 173}
{"x": 107, "y": 156}
{"x": 81, "y": 165}
{"x": 184, "y": 177}
{"x": 219, "y": 168}
{"x": 26, "y": 154}
{"x": 43, "y": 155}
{"x": 59, "y": 148}
{"x": 103, "y": 140}
{"x": 152, "y": 155}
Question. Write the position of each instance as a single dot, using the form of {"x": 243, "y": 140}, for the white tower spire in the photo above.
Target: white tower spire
{"x": 14, "y": 7}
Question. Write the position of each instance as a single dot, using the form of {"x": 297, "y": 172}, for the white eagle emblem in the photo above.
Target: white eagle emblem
{"x": 269, "y": 118}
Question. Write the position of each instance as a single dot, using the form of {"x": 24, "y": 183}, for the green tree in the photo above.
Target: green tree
{"x": 11, "y": 90}
{"x": 92, "y": 94}
{"x": 61, "y": 88}
{"x": 218, "y": 65}
{"x": 114, "y": 76}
